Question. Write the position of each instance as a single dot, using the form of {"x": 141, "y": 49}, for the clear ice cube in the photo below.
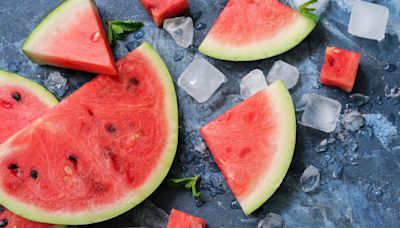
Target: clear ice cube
{"x": 320, "y": 6}
{"x": 146, "y": 214}
{"x": 321, "y": 113}
{"x": 368, "y": 20}
{"x": 181, "y": 29}
{"x": 201, "y": 79}
{"x": 56, "y": 83}
{"x": 310, "y": 178}
{"x": 283, "y": 71}
{"x": 271, "y": 220}
{"x": 252, "y": 83}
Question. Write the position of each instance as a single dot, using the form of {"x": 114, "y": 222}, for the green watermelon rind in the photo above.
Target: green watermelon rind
{"x": 35, "y": 214}
{"x": 275, "y": 175}
{"x": 11, "y": 79}
{"x": 282, "y": 43}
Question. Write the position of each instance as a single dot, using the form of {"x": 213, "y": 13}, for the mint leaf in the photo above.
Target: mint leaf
{"x": 189, "y": 183}
{"x": 307, "y": 12}
{"x": 118, "y": 29}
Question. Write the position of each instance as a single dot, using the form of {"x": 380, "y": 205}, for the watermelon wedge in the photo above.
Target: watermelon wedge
{"x": 72, "y": 36}
{"x": 253, "y": 144}
{"x": 180, "y": 219}
{"x": 256, "y": 29}
{"x": 163, "y": 9}
{"x": 21, "y": 101}
{"x": 101, "y": 151}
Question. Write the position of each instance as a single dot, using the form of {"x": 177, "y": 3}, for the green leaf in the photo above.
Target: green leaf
{"x": 117, "y": 29}
{"x": 307, "y": 12}
{"x": 189, "y": 183}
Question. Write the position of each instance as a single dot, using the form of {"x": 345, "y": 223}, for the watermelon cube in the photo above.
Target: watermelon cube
{"x": 180, "y": 219}
{"x": 340, "y": 68}
{"x": 163, "y": 9}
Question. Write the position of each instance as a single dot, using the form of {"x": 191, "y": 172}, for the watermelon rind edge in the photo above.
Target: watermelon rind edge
{"x": 88, "y": 217}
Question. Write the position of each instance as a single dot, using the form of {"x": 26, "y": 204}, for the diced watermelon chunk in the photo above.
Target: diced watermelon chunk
{"x": 180, "y": 219}
{"x": 340, "y": 68}
{"x": 163, "y": 9}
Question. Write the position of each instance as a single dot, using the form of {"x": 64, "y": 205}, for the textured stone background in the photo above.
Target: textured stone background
{"x": 367, "y": 195}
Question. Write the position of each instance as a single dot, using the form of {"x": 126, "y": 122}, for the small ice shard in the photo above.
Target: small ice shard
{"x": 322, "y": 146}
{"x": 283, "y": 71}
{"x": 359, "y": 99}
{"x": 368, "y": 20}
{"x": 271, "y": 220}
{"x": 56, "y": 83}
{"x": 321, "y": 113}
{"x": 352, "y": 120}
{"x": 309, "y": 180}
{"x": 181, "y": 29}
{"x": 201, "y": 79}
{"x": 320, "y": 6}
{"x": 252, "y": 83}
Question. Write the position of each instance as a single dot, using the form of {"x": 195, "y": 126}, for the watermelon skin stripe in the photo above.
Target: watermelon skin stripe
{"x": 133, "y": 197}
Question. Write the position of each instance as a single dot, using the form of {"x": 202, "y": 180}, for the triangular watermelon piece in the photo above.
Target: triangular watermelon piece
{"x": 249, "y": 30}
{"x": 72, "y": 36}
{"x": 163, "y": 9}
{"x": 180, "y": 219}
{"x": 253, "y": 144}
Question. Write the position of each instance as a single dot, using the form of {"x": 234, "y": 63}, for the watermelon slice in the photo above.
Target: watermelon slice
{"x": 21, "y": 101}
{"x": 100, "y": 152}
{"x": 253, "y": 144}
{"x": 180, "y": 219}
{"x": 256, "y": 29}
{"x": 340, "y": 68}
{"x": 72, "y": 36}
{"x": 163, "y": 9}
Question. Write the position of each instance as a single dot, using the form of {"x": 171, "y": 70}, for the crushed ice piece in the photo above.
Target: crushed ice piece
{"x": 320, "y": 112}
{"x": 252, "y": 83}
{"x": 283, "y": 71}
{"x": 352, "y": 120}
{"x": 322, "y": 146}
{"x": 147, "y": 214}
{"x": 359, "y": 99}
{"x": 201, "y": 79}
{"x": 56, "y": 84}
{"x": 310, "y": 178}
{"x": 181, "y": 29}
{"x": 271, "y": 220}
{"x": 368, "y": 20}
{"x": 320, "y": 6}
{"x": 392, "y": 92}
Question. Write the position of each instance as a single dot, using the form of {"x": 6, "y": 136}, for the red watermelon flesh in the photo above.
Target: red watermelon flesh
{"x": 340, "y": 68}
{"x": 100, "y": 152}
{"x": 253, "y": 144}
{"x": 72, "y": 36}
{"x": 12, "y": 220}
{"x": 180, "y": 219}
{"x": 163, "y": 9}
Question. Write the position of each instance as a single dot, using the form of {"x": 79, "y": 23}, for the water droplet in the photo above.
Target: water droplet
{"x": 377, "y": 192}
{"x": 322, "y": 146}
{"x": 338, "y": 171}
{"x": 184, "y": 169}
{"x": 199, "y": 203}
{"x": 178, "y": 55}
{"x": 14, "y": 66}
{"x": 235, "y": 205}
{"x": 200, "y": 26}
{"x": 390, "y": 67}
{"x": 132, "y": 45}
{"x": 310, "y": 178}
{"x": 138, "y": 34}
{"x": 96, "y": 36}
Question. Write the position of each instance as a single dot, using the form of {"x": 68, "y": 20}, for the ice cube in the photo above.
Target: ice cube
{"x": 368, "y": 20}
{"x": 201, "y": 79}
{"x": 56, "y": 83}
{"x": 309, "y": 180}
{"x": 271, "y": 220}
{"x": 252, "y": 83}
{"x": 320, "y": 6}
{"x": 147, "y": 214}
{"x": 283, "y": 71}
{"x": 352, "y": 120}
{"x": 321, "y": 113}
{"x": 181, "y": 29}
{"x": 359, "y": 99}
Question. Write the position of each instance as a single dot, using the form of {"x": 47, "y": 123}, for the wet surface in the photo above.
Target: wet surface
{"x": 360, "y": 166}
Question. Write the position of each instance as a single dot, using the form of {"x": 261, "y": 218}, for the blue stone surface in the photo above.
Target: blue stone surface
{"x": 366, "y": 192}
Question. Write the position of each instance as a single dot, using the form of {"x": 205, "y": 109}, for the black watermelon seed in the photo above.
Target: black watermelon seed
{"x": 73, "y": 158}
{"x": 34, "y": 174}
{"x": 2, "y": 209}
{"x": 3, "y": 223}
{"x": 13, "y": 166}
{"x": 110, "y": 128}
{"x": 134, "y": 81}
{"x": 16, "y": 96}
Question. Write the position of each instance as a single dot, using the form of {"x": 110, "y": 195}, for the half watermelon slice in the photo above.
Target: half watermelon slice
{"x": 256, "y": 29}
{"x": 253, "y": 144}
{"x": 100, "y": 152}
{"x": 72, "y": 36}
